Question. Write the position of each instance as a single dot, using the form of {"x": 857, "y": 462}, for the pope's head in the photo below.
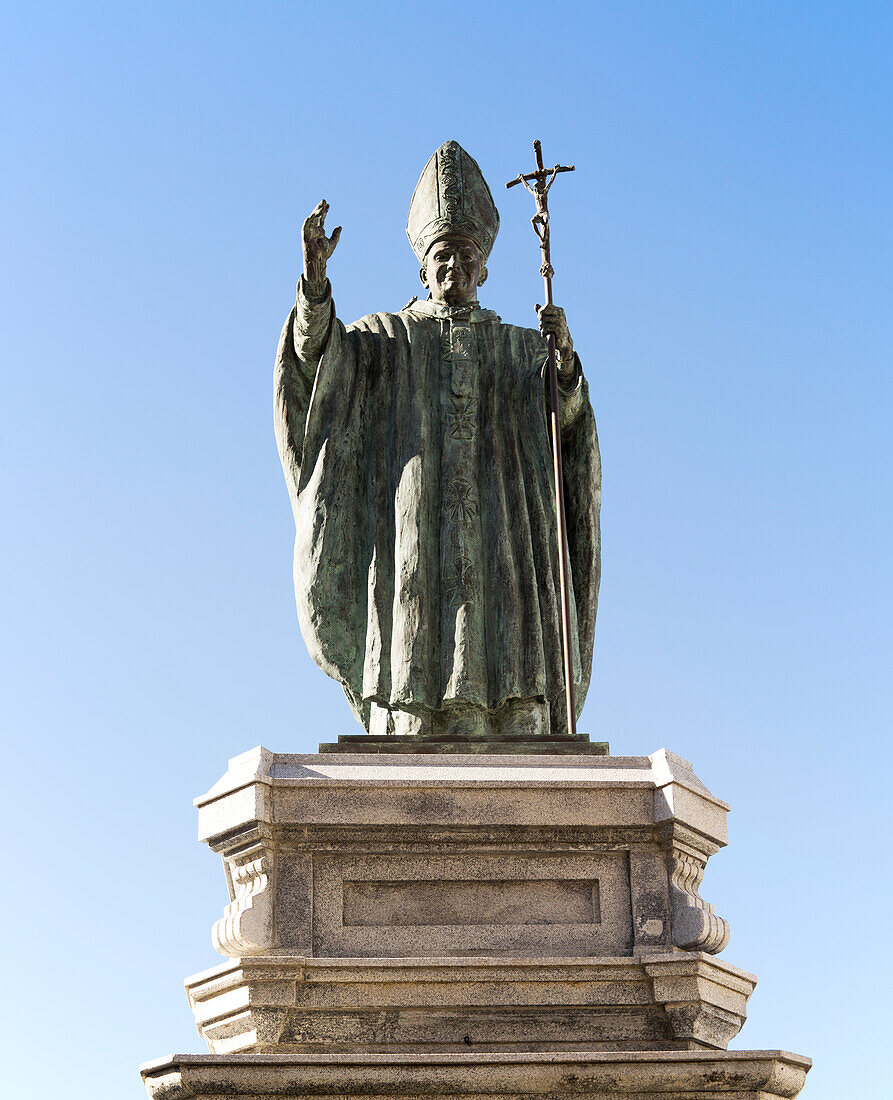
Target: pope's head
{"x": 453, "y": 269}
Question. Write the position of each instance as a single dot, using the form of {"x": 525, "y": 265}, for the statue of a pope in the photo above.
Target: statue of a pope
{"x": 417, "y": 458}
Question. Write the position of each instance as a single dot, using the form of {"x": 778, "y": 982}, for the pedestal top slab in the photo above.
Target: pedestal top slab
{"x": 658, "y": 769}
{"x": 390, "y": 790}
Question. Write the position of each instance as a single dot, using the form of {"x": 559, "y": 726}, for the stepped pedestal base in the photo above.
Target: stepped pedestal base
{"x": 468, "y": 923}
{"x": 646, "y": 1075}
{"x": 288, "y": 1005}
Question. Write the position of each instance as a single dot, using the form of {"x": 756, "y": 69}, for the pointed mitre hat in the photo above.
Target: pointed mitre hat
{"x": 451, "y": 196}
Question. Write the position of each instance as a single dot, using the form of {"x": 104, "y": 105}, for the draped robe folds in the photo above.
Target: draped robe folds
{"x": 416, "y": 452}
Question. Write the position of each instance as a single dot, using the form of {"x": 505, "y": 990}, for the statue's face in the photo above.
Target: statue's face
{"x": 453, "y": 270}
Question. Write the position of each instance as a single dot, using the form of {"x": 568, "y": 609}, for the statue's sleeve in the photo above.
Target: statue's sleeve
{"x": 324, "y": 416}
{"x": 311, "y": 325}
{"x": 582, "y": 499}
{"x": 306, "y": 335}
{"x": 572, "y": 396}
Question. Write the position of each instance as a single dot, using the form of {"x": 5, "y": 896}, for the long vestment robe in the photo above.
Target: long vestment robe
{"x": 416, "y": 452}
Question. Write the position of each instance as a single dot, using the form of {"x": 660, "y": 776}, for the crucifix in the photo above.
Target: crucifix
{"x": 542, "y": 180}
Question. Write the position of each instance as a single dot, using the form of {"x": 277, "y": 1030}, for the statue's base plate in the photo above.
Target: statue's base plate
{"x": 640, "y": 1075}
{"x": 530, "y": 746}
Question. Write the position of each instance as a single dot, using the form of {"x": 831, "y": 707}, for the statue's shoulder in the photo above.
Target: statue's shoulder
{"x": 418, "y": 313}
{"x": 377, "y": 322}
{"x": 428, "y": 312}
{"x": 415, "y": 314}
{"x": 523, "y": 330}
{"x": 529, "y": 338}
{"x": 387, "y": 323}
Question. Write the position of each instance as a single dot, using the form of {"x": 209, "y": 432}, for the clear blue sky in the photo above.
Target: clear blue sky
{"x": 724, "y": 255}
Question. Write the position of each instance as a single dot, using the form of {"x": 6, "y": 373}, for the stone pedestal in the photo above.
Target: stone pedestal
{"x": 647, "y": 1075}
{"x": 320, "y": 1006}
{"x": 467, "y": 924}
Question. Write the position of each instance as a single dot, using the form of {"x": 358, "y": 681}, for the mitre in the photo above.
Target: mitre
{"x": 451, "y": 196}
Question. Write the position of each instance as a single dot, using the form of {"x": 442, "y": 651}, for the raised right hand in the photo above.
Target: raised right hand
{"x": 317, "y": 247}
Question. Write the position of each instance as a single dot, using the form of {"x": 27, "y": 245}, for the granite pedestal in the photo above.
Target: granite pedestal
{"x": 468, "y": 924}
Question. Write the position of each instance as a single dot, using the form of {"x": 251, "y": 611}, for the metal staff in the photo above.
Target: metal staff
{"x": 542, "y": 180}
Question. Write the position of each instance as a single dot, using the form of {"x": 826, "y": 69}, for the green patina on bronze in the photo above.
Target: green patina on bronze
{"x": 417, "y": 459}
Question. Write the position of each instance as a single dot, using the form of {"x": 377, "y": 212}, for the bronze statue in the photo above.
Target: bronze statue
{"x": 418, "y": 463}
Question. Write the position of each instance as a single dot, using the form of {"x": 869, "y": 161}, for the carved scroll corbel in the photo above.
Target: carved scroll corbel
{"x": 246, "y": 927}
{"x": 696, "y": 927}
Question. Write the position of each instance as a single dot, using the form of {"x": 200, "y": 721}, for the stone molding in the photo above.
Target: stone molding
{"x": 247, "y": 925}
{"x": 283, "y": 1004}
{"x": 291, "y": 827}
{"x": 644, "y": 1075}
{"x": 696, "y": 927}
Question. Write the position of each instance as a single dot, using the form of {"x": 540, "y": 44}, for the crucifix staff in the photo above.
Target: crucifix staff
{"x": 542, "y": 180}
